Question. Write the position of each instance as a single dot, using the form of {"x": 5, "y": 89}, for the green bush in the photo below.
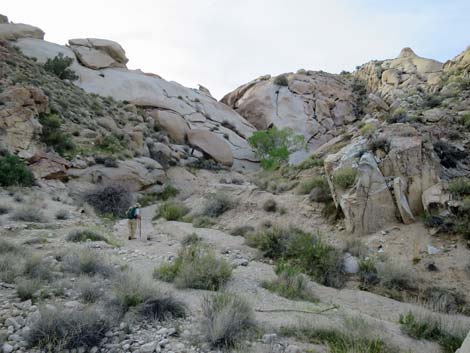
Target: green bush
{"x": 465, "y": 121}
{"x": 59, "y": 67}
{"x": 291, "y": 284}
{"x": 53, "y": 136}
{"x": 431, "y": 327}
{"x": 82, "y": 235}
{"x": 227, "y": 319}
{"x": 270, "y": 205}
{"x": 310, "y": 163}
{"x": 281, "y": 80}
{"x": 460, "y": 187}
{"x": 345, "y": 177}
{"x": 172, "y": 211}
{"x": 195, "y": 267}
{"x": 13, "y": 172}
{"x": 27, "y": 288}
{"x": 367, "y": 129}
{"x": 217, "y": 204}
{"x": 203, "y": 222}
{"x": 274, "y": 146}
{"x": 110, "y": 144}
{"x": 168, "y": 192}
{"x": 320, "y": 183}
{"x": 112, "y": 200}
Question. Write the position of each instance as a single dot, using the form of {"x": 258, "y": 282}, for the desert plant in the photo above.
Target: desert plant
{"x": 465, "y": 121}
{"x": 89, "y": 291}
{"x": 4, "y": 210}
{"x": 310, "y": 163}
{"x": 317, "y": 188}
{"x": 226, "y": 319}
{"x": 449, "y": 154}
{"x": 367, "y": 129}
{"x": 444, "y": 300}
{"x": 59, "y": 66}
{"x": 172, "y": 211}
{"x": 87, "y": 262}
{"x": 281, "y": 80}
{"x": 162, "y": 308}
{"x": 368, "y": 272}
{"x": 110, "y": 199}
{"x": 195, "y": 267}
{"x": 345, "y": 177}
{"x": 242, "y": 230}
{"x": 110, "y": 144}
{"x": 81, "y": 235}
{"x": 168, "y": 192}
{"x": 273, "y": 146}
{"x": 62, "y": 215}
{"x": 60, "y": 329}
{"x": 379, "y": 143}
{"x": 396, "y": 276}
{"x": 38, "y": 268}
{"x": 191, "y": 239}
{"x": 29, "y": 214}
{"x": 14, "y": 172}
{"x": 460, "y": 187}
{"x": 27, "y": 288}
{"x": 203, "y": 222}
{"x": 217, "y": 204}
{"x": 291, "y": 284}
{"x": 355, "y": 247}
{"x": 270, "y": 205}
{"x": 53, "y": 136}
{"x": 130, "y": 290}
{"x": 10, "y": 267}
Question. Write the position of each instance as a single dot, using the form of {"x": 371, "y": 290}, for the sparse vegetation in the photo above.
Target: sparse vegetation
{"x": 431, "y": 327}
{"x": 217, "y": 204}
{"x": 27, "y": 288}
{"x": 29, "y": 214}
{"x": 270, "y": 205}
{"x": 203, "y": 222}
{"x": 460, "y": 187}
{"x": 53, "y": 136}
{"x": 195, "y": 267}
{"x": 82, "y": 235}
{"x": 345, "y": 177}
{"x": 110, "y": 144}
{"x": 111, "y": 200}
{"x": 465, "y": 121}
{"x": 356, "y": 247}
{"x": 227, "y": 319}
{"x": 89, "y": 291}
{"x": 14, "y": 172}
{"x": 242, "y": 230}
{"x": 87, "y": 262}
{"x": 310, "y": 163}
{"x": 172, "y": 211}
{"x": 396, "y": 276}
{"x": 62, "y": 215}
{"x": 273, "y": 146}
{"x": 168, "y": 192}
{"x": 281, "y": 80}
{"x": 367, "y": 129}
{"x": 59, "y": 66}
{"x": 449, "y": 155}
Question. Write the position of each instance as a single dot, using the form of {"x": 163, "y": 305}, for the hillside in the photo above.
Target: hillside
{"x": 360, "y": 243}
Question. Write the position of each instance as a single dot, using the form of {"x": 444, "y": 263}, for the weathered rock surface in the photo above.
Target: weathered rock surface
{"x": 48, "y": 166}
{"x": 14, "y": 31}
{"x": 18, "y": 118}
{"x": 211, "y": 144}
{"x": 98, "y": 53}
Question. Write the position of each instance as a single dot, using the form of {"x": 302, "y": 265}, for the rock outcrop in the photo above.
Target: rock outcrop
{"x": 98, "y": 53}
{"x": 211, "y": 144}
{"x": 14, "y": 31}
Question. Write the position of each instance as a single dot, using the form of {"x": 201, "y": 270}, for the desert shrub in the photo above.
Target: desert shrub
{"x": 432, "y": 101}
{"x": 29, "y": 214}
{"x": 110, "y": 144}
{"x": 367, "y": 129}
{"x": 27, "y": 288}
{"x": 396, "y": 276}
{"x": 62, "y": 215}
{"x": 168, "y": 192}
{"x": 317, "y": 182}
{"x": 162, "y": 308}
{"x": 81, "y": 235}
{"x": 148, "y": 199}
{"x": 345, "y": 177}
{"x": 273, "y": 146}
{"x": 191, "y": 239}
{"x": 356, "y": 247}
{"x": 217, "y": 204}
{"x": 130, "y": 290}
{"x": 431, "y": 327}
{"x": 8, "y": 247}
{"x": 38, "y": 268}
{"x": 310, "y": 163}
{"x": 290, "y": 283}
{"x": 53, "y": 136}
{"x": 14, "y": 172}
{"x": 87, "y": 262}
{"x": 203, "y": 222}
{"x": 68, "y": 329}
{"x": 270, "y": 205}
{"x": 379, "y": 143}
{"x": 460, "y": 187}
{"x": 444, "y": 300}
{"x": 242, "y": 230}
{"x": 89, "y": 292}
{"x": 195, "y": 267}
{"x": 368, "y": 272}
{"x": 172, "y": 211}
{"x": 4, "y": 210}
{"x": 449, "y": 155}
{"x": 281, "y": 80}
{"x": 10, "y": 267}
{"x": 226, "y": 319}
{"x": 110, "y": 200}
{"x": 398, "y": 117}
{"x": 59, "y": 66}
{"x": 465, "y": 121}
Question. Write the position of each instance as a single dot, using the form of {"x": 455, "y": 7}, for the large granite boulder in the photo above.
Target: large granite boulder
{"x": 172, "y": 123}
{"x": 212, "y": 145}
{"x": 98, "y": 53}
{"x": 19, "y": 127}
{"x": 48, "y": 166}
{"x": 14, "y": 31}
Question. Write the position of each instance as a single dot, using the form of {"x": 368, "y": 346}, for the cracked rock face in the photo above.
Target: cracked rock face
{"x": 314, "y": 104}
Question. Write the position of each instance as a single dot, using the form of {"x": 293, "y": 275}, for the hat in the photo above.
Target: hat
{"x": 137, "y": 204}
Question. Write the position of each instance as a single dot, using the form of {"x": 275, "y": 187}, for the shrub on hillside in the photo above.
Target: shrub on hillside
{"x": 13, "y": 172}
{"x": 110, "y": 200}
{"x": 59, "y": 66}
{"x": 227, "y": 318}
{"x": 110, "y": 144}
{"x": 281, "y": 80}
{"x": 449, "y": 154}
{"x": 87, "y": 262}
{"x": 168, "y": 192}
{"x": 242, "y": 230}
{"x": 38, "y": 268}
{"x": 53, "y": 136}
{"x": 62, "y": 215}
{"x": 217, "y": 204}
{"x": 270, "y": 205}
{"x": 195, "y": 267}
{"x": 27, "y": 288}
{"x": 273, "y": 146}
{"x": 29, "y": 214}
{"x": 367, "y": 129}
{"x": 345, "y": 177}
{"x": 81, "y": 235}
{"x": 460, "y": 187}
{"x": 396, "y": 276}
{"x": 68, "y": 329}
{"x": 172, "y": 211}
{"x": 203, "y": 222}
{"x": 89, "y": 291}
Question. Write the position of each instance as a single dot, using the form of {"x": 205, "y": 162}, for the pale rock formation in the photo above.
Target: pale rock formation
{"x": 14, "y": 31}
{"x": 172, "y": 123}
{"x": 18, "y": 118}
{"x": 48, "y": 166}
{"x": 211, "y": 144}
{"x": 98, "y": 53}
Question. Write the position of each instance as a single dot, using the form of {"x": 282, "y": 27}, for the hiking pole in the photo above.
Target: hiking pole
{"x": 140, "y": 228}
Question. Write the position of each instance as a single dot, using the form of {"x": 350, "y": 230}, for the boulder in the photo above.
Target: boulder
{"x": 402, "y": 201}
{"x": 92, "y": 58}
{"x": 172, "y": 123}
{"x": 211, "y": 144}
{"x": 465, "y": 345}
{"x": 14, "y": 31}
{"x": 48, "y": 166}
{"x": 435, "y": 199}
{"x": 106, "y": 46}
{"x": 18, "y": 111}
{"x": 136, "y": 174}
{"x": 3, "y": 19}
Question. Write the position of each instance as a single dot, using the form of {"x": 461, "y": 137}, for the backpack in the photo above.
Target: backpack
{"x": 131, "y": 212}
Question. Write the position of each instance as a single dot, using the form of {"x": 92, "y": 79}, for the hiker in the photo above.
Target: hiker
{"x": 133, "y": 214}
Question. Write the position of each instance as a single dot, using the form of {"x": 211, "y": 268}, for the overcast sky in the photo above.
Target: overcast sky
{"x": 222, "y": 44}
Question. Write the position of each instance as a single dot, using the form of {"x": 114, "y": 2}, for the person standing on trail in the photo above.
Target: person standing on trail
{"x": 133, "y": 215}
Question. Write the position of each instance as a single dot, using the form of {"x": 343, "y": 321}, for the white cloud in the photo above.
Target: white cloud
{"x": 224, "y": 43}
